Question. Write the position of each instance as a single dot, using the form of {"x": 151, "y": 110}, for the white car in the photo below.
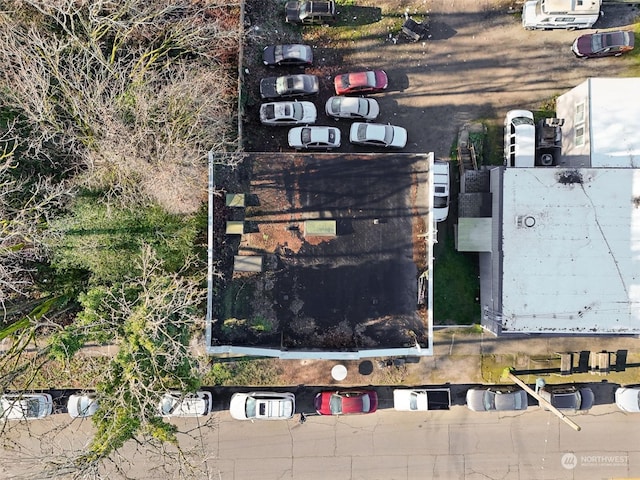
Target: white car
{"x": 262, "y": 406}
{"x": 378, "y": 135}
{"x": 25, "y": 406}
{"x": 440, "y": 191}
{"x": 303, "y": 138}
{"x": 358, "y": 108}
{"x": 80, "y": 406}
{"x": 288, "y": 113}
{"x": 628, "y": 399}
{"x": 421, "y": 400}
{"x": 178, "y": 404}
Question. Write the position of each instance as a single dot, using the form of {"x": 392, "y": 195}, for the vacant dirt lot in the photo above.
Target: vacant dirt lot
{"x": 477, "y": 63}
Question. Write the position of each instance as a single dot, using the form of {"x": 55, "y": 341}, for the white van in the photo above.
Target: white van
{"x": 440, "y": 191}
{"x": 519, "y": 139}
{"x": 567, "y": 14}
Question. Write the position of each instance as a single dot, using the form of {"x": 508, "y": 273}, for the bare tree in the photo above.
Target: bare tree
{"x": 126, "y": 91}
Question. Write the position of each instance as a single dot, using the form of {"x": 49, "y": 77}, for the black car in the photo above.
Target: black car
{"x": 311, "y": 12}
{"x": 289, "y": 86}
{"x": 568, "y": 397}
{"x": 605, "y": 44}
{"x": 285, "y": 55}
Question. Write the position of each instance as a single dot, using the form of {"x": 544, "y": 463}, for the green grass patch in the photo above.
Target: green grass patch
{"x": 358, "y": 23}
{"x": 492, "y": 367}
{"x": 456, "y": 287}
{"x": 79, "y": 372}
{"x": 243, "y": 372}
{"x": 494, "y": 143}
{"x": 634, "y": 55}
{"x": 105, "y": 240}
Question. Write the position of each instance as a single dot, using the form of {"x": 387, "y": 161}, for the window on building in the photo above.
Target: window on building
{"x": 579, "y": 124}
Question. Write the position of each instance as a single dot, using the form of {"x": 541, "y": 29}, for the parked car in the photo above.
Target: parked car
{"x": 287, "y": 55}
{"x": 378, "y": 135}
{"x": 288, "y": 113}
{"x": 178, "y": 404}
{"x": 262, "y": 406}
{"x": 359, "y": 108}
{"x": 568, "y": 397}
{"x": 303, "y": 138}
{"x": 310, "y": 12}
{"x": 346, "y": 402}
{"x": 25, "y": 406}
{"x": 440, "y": 191}
{"x": 519, "y": 139}
{"x": 81, "y": 406}
{"x": 372, "y": 81}
{"x": 489, "y": 399}
{"x": 628, "y": 399}
{"x": 419, "y": 400}
{"x": 289, "y": 86}
{"x": 603, "y": 44}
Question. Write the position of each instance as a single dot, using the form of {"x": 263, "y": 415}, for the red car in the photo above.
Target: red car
{"x": 346, "y": 402}
{"x": 361, "y": 82}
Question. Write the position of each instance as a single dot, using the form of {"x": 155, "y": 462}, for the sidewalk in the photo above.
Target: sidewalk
{"x": 463, "y": 356}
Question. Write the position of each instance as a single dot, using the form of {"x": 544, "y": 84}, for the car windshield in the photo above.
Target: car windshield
{"x": 597, "y": 42}
{"x": 488, "y": 399}
{"x": 30, "y": 407}
{"x": 388, "y": 134}
{"x": 371, "y": 79}
{"x": 335, "y": 404}
{"x": 336, "y": 104}
{"x": 362, "y": 131}
{"x": 363, "y": 107}
{"x": 439, "y": 202}
{"x": 82, "y": 405}
{"x": 413, "y": 401}
{"x": 305, "y": 135}
{"x": 565, "y": 400}
{"x": 522, "y": 121}
{"x": 295, "y": 111}
{"x": 250, "y": 407}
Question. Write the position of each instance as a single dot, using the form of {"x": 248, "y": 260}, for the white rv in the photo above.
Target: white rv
{"x": 568, "y": 14}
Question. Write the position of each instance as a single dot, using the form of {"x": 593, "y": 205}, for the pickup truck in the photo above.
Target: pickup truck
{"x": 421, "y": 399}
{"x": 311, "y": 12}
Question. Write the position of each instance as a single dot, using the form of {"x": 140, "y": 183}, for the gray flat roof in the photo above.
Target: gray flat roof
{"x": 571, "y": 246}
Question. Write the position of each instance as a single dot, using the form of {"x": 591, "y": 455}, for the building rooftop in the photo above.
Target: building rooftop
{"x": 615, "y": 122}
{"x": 571, "y": 250}
{"x": 343, "y": 238}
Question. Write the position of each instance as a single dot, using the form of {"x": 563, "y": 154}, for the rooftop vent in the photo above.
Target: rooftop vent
{"x": 525, "y": 221}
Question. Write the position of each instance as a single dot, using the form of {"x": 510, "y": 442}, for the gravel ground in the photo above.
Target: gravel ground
{"x": 477, "y": 63}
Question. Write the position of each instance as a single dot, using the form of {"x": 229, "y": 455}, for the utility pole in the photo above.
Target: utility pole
{"x": 507, "y": 373}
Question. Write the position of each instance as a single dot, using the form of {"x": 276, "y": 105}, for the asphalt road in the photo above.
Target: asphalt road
{"x": 455, "y": 444}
